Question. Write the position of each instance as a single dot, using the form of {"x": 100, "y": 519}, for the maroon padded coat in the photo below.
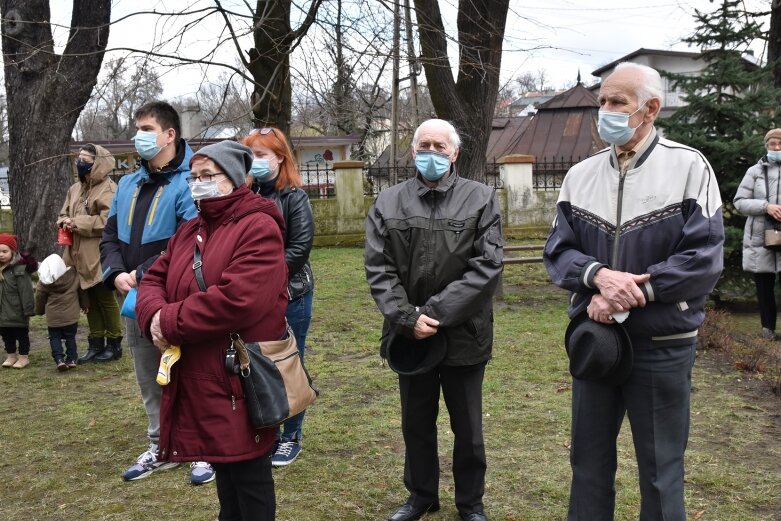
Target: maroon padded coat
{"x": 202, "y": 414}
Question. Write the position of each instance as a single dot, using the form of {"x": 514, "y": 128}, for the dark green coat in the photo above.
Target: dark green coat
{"x": 17, "y": 302}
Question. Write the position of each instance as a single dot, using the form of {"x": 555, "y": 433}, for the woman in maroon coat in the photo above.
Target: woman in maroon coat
{"x": 203, "y": 414}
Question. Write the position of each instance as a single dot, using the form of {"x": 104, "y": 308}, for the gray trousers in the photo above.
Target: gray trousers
{"x": 146, "y": 360}
{"x": 656, "y": 400}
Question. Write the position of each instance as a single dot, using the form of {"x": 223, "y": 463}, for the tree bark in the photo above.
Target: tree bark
{"x": 469, "y": 101}
{"x": 269, "y": 61}
{"x": 46, "y": 93}
{"x": 774, "y": 42}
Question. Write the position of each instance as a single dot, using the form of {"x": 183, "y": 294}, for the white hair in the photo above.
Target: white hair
{"x": 455, "y": 139}
{"x": 651, "y": 84}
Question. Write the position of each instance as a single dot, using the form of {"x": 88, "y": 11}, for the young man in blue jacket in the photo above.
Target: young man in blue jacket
{"x": 639, "y": 231}
{"x": 148, "y": 207}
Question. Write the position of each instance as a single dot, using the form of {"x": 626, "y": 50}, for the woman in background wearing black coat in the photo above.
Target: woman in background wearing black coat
{"x": 275, "y": 176}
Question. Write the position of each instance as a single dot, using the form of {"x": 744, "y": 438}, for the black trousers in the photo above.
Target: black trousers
{"x": 246, "y": 490}
{"x": 766, "y": 297}
{"x": 656, "y": 399}
{"x": 12, "y": 335}
{"x": 462, "y": 387}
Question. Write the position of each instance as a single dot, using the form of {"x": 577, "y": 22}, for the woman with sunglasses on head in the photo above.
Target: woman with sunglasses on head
{"x": 274, "y": 175}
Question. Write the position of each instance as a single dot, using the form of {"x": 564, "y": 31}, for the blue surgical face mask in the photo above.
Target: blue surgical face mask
{"x": 432, "y": 165}
{"x": 260, "y": 169}
{"x": 774, "y": 155}
{"x": 613, "y": 127}
{"x": 146, "y": 144}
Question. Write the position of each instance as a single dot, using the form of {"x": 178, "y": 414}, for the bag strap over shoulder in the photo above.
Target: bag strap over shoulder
{"x": 198, "y": 263}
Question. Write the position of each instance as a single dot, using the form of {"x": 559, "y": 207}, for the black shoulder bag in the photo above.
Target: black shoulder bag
{"x": 276, "y": 384}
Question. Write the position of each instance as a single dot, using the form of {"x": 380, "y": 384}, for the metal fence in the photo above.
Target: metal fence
{"x": 318, "y": 180}
{"x": 549, "y": 173}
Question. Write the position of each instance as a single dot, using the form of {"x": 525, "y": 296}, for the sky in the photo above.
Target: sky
{"x": 560, "y": 37}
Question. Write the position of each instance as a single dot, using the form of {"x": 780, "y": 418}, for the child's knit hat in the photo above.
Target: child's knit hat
{"x": 9, "y": 240}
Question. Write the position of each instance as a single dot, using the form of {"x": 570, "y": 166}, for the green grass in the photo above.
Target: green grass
{"x": 68, "y": 437}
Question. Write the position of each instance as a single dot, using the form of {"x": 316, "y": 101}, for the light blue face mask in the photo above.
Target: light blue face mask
{"x": 613, "y": 127}
{"x": 260, "y": 169}
{"x": 774, "y": 155}
{"x": 146, "y": 144}
{"x": 432, "y": 165}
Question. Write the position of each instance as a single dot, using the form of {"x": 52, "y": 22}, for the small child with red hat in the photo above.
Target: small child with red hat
{"x": 17, "y": 303}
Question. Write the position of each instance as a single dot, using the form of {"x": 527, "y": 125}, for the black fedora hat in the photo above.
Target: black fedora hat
{"x": 408, "y": 356}
{"x": 599, "y": 352}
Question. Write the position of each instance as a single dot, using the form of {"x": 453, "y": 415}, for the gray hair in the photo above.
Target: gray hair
{"x": 455, "y": 139}
{"x": 651, "y": 84}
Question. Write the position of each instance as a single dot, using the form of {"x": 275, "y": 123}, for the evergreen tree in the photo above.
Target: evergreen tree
{"x": 730, "y": 106}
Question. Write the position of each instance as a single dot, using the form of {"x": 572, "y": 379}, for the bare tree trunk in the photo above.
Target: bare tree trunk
{"x": 469, "y": 102}
{"x": 774, "y": 42}
{"x": 46, "y": 93}
{"x": 269, "y": 61}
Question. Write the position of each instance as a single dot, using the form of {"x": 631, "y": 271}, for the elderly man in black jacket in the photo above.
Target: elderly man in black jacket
{"x": 433, "y": 260}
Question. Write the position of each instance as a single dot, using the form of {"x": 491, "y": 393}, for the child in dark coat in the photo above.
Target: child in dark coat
{"x": 59, "y": 296}
{"x": 16, "y": 303}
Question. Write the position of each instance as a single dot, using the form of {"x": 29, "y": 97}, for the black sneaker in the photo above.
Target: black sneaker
{"x": 61, "y": 366}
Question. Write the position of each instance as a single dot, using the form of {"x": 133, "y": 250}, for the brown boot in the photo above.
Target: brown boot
{"x": 22, "y": 362}
{"x": 10, "y": 359}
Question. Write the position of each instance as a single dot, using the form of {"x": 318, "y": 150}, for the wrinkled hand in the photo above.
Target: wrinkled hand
{"x": 157, "y": 333}
{"x": 125, "y": 281}
{"x": 774, "y": 211}
{"x": 425, "y": 327}
{"x": 67, "y": 223}
{"x": 601, "y": 310}
{"x": 621, "y": 289}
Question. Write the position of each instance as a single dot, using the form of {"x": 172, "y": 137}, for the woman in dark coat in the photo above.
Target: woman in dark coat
{"x": 275, "y": 175}
{"x": 203, "y": 413}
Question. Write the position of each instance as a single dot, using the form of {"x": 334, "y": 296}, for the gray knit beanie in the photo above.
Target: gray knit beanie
{"x": 234, "y": 158}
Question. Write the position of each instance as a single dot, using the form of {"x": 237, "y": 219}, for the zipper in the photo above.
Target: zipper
{"x": 132, "y": 207}
{"x": 154, "y": 205}
{"x": 619, "y": 207}
{"x": 233, "y": 402}
{"x": 429, "y": 269}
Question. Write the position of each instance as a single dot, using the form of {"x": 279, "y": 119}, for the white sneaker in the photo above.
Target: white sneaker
{"x": 146, "y": 464}
{"x": 201, "y": 473}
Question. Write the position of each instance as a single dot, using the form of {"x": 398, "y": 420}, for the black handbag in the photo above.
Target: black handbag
{"x": 772, "y": 233}
{"x": 276, "y": 384}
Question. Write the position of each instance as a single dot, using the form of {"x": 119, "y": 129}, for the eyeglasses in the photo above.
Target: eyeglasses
{"x": 204, "y": 178}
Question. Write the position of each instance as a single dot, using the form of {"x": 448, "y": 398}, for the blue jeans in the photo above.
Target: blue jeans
{"x": 299, "y": 315}
{"x": 67, "y": 333}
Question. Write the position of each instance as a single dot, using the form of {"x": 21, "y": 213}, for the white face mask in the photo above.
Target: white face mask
{"x": 204, "y": 190}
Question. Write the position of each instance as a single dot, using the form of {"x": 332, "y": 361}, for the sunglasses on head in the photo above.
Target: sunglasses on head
{"x": 263, "y": 131}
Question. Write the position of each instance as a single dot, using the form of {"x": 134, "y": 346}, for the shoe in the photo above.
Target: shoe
{"x": 286, "y": 453}
{"x": 71, "y": 364}
{"x": 22, "y": 362}
{"x": 146, "y": 464}
{"x": 10, "y": 359}
{"x": 96, "y": 346}
{"x": 61, "y": 365}
{"x": 113, "y": 350}
{"x": 201, "y": 473}
{"x": 169, "y": 358}
{"x": 769, "y": 334}
{"x": 474, "y": 516}
{"x": 408, "y": 512}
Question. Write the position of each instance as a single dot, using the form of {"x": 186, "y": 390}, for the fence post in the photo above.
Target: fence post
{"x": 348, "y": 185}
{"x": 515, "y": 173}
